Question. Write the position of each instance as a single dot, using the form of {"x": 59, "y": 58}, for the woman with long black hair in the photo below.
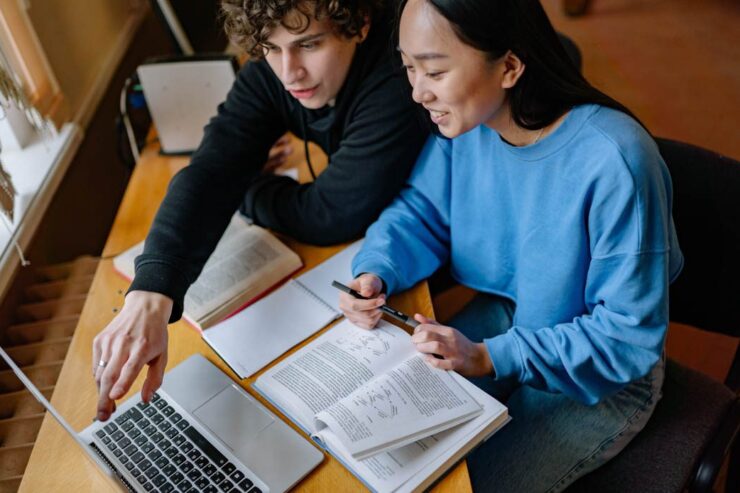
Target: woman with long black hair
{"x": 551, "y": 200}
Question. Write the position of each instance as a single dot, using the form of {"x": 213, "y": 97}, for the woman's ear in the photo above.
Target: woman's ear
{"x": 513, "y": 69}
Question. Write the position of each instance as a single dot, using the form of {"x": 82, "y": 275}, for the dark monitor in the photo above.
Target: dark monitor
{"x": 193, "y": 26}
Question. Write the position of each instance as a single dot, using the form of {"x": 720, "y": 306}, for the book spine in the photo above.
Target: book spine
{"x": 313, "y": 295}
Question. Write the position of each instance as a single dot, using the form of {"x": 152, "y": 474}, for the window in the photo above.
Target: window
{"x": 22, "y": 48}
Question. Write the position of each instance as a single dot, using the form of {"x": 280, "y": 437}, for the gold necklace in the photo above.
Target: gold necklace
{"x": 537, "y": 139}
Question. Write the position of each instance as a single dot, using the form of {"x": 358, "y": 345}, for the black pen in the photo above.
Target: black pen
{"x": 400, "y": 316}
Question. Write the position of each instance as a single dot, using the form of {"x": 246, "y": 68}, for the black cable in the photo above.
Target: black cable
{"x": 305, "y": 145}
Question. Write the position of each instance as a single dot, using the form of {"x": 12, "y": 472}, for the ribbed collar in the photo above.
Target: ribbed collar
{"x": 552, "y": 143}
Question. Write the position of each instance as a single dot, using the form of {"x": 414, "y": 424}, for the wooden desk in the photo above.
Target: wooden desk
{"x": 56, "y": 463}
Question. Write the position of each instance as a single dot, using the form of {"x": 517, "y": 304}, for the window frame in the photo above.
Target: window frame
{"x": 23, "y": 50}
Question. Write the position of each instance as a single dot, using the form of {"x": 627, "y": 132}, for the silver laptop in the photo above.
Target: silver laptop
{"x": 201, "y": 432}
{"x": 182, "y": 94}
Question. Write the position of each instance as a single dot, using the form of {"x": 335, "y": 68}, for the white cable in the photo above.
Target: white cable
{"x": 24, "y": 262}
{"x": 123, "y": 108}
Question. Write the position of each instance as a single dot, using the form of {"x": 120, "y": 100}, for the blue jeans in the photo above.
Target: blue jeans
{"x": 551, "y": 440}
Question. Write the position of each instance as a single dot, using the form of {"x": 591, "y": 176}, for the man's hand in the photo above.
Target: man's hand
{"x": 460, "y": 353}
{"x": 363, "y": 313}
{"x": 136, "y": 337}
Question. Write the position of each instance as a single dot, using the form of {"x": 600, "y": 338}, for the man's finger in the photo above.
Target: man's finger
{"x": 102, "y": 360}
{"x": 109, "y": 375}
{"x": 105, "y": 407}
{"x": 129, "y": 371}
{"x": 154, "y": 376}
{"x": 95, "y": 355}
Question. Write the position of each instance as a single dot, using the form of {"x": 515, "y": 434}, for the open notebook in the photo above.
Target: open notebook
{"x": 263, "y": 331}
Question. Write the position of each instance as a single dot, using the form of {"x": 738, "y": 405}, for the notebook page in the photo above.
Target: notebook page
{"x": 263, "y": 331}
{"x": 335, "y": 268}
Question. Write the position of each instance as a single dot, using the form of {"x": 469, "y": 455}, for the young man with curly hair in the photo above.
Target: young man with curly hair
{"x": 322, "y": 69}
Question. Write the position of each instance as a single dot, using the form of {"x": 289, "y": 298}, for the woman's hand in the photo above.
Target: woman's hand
{"x": 363, "y": 313}
{"x": 278, "y": 155}
{"x": 459, "y": 353}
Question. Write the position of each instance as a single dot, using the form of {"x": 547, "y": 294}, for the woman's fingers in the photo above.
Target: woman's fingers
{"x": 442, "y": 364}
{"x": 369, "y": 285}
{"x": 364, "y": 313}
{"x": 425, "y": 320}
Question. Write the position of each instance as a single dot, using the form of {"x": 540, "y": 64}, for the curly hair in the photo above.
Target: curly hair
{"x": 248, "y": 23}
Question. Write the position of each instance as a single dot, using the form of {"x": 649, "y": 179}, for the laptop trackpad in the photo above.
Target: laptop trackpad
{"x": 233, "y": 417}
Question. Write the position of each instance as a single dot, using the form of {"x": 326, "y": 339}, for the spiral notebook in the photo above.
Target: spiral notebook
{"x": 268, "y": 328}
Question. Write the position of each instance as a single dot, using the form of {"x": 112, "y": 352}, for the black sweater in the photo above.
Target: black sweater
{"x": 372, "y": 136}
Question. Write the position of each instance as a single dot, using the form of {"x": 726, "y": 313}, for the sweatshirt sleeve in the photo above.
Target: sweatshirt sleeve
{"x": 203, "y": 196}
{"x": 411, "y": 238}
{"x": 373, "y": 160}
{"x": 620, "y": 337}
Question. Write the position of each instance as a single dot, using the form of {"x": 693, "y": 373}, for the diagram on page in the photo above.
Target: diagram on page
{"x": 366, "y": 345}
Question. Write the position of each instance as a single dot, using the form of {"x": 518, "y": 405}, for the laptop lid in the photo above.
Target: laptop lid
{"x": 206, "y": 395}
{"x": 91, "y": 454}
{"x": 183, "y": 94}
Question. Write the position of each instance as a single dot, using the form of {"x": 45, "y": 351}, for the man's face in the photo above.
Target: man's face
{"x": 313, "y": 64}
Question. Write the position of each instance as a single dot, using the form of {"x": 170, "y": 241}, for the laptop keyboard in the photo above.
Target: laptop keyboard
{"x": 164, "y": 453}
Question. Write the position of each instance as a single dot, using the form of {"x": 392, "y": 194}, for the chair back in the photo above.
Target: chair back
{"x": 706, "y": 212}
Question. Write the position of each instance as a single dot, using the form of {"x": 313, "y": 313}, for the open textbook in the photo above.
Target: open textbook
{"x": 246, "y": 263}
{"x": 372, "y": 401}
{"x": 257, "y": 335}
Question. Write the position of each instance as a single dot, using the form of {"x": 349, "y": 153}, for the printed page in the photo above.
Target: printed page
{"x": 246, "y": 259}
{"x": 404, "y": 468}
{"x": 332, "y": 367}
{"x": 124, "y": 262}
{"x": 405, "y": 404}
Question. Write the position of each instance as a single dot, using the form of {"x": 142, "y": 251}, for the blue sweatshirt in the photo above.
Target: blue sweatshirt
{"x": 575, "y": 229}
